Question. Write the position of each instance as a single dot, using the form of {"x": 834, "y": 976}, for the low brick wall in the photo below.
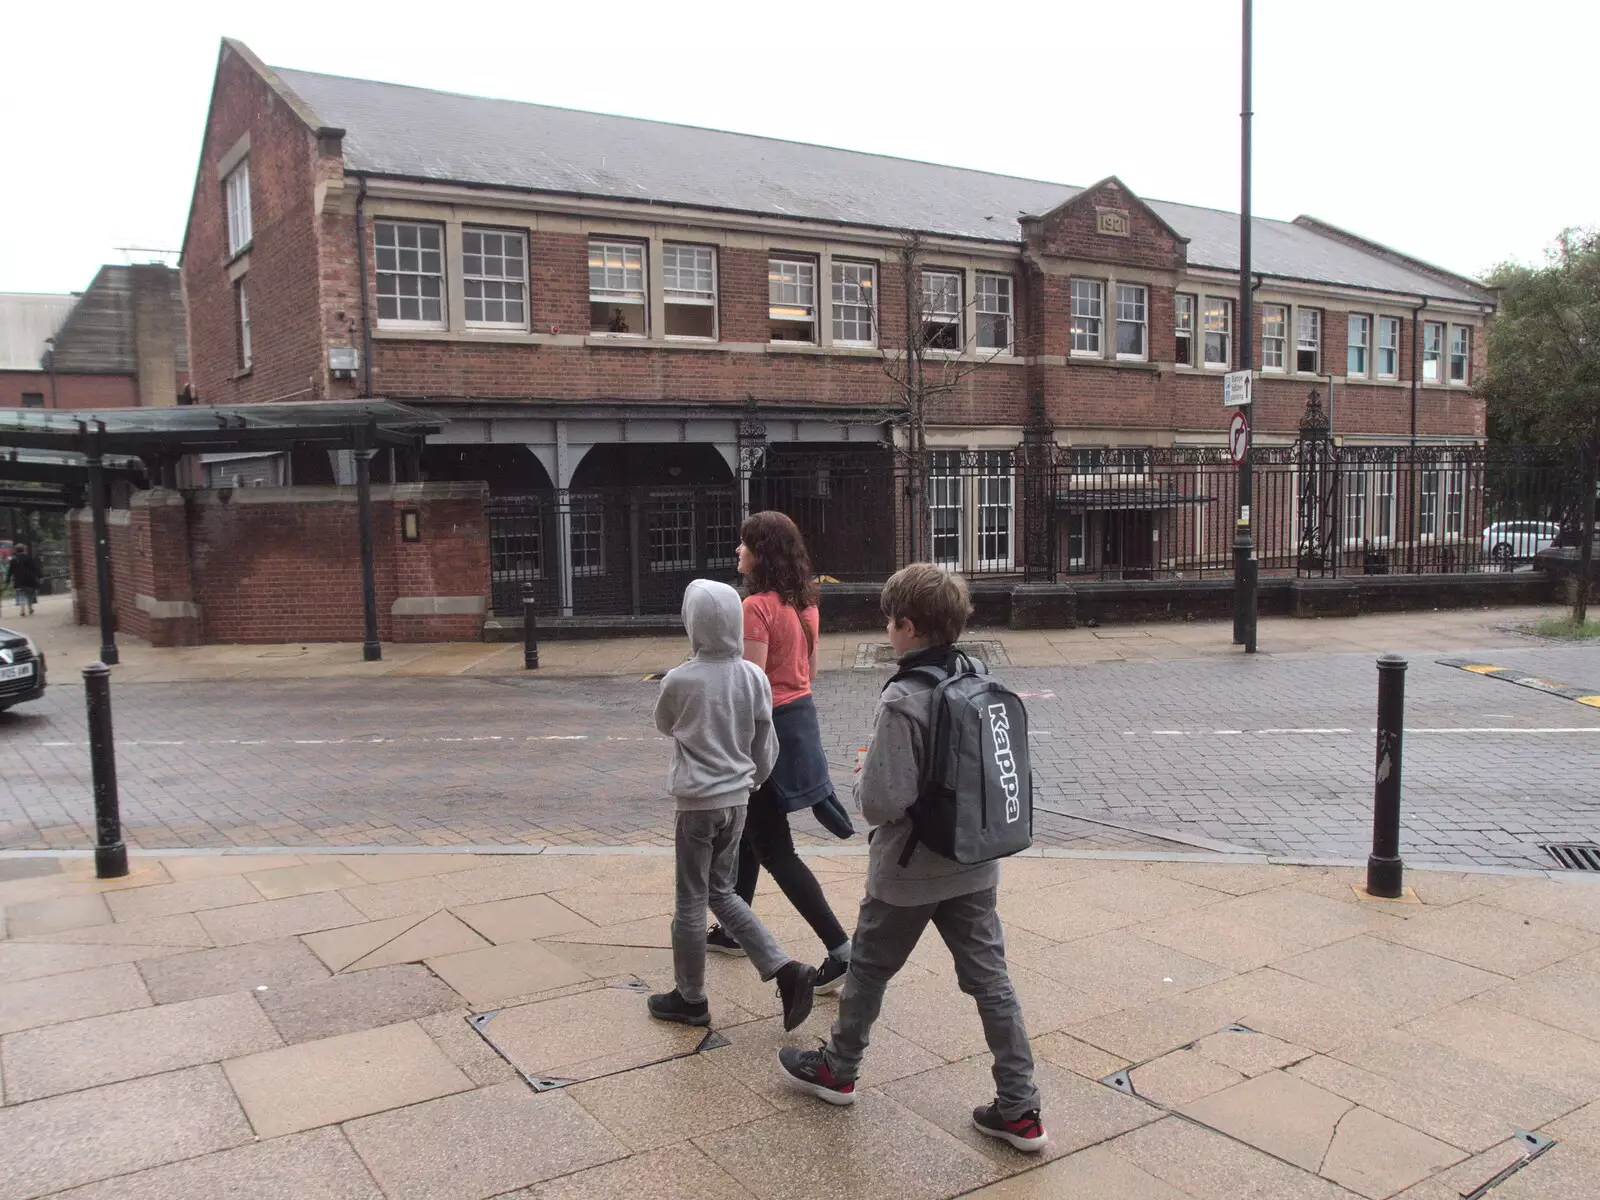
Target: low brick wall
{"x": 284, "y": 565}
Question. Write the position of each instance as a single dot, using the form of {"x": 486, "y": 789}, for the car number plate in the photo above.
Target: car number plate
{"x": 20, "y": 671}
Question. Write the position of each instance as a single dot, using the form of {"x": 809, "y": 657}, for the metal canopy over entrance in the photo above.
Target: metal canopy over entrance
{"x": 76, "y": 452}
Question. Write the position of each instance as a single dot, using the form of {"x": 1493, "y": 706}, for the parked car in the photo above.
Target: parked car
{"x": 1508, "y": 541}
{"x": 22, "y": 669}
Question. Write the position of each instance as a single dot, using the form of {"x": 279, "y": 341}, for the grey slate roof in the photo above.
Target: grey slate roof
{"x": 392, "y": 129}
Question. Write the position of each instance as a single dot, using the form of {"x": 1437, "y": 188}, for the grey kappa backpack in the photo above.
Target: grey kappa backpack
{"x": 975, "y": 803}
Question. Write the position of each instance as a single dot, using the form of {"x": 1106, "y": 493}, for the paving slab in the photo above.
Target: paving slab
{"x": 316, "y": 1165}
{"x": 1279, "y": 1113}
{"x": 303, "y": 1012}
{"x": 1573, "y": 902}
{"x": 1080, "y": 1058}
{"x": 170, "y": 899}
{"x": 1470, "y": 1174}
{"x": 480, "y": 1143}
{"x": 340, "y": 1078}
{"x": 338, "y": 948}
{"x": 1249, "y": 1052}
{"x": 210, "y": 866}
{"x": 605, "y": 907}
{"x": 590, "y": 1034}
{"x": 1207, "y": 1165}
{"x": 819, "y": 1152}
{"x": 751, "y": 1057}
{"x": 1491, "y": 938}
{"x": 521, "y": 877}
{"x": 497, "y": 973}
{"x": 936, "y": 1014}
{"x": 1093, "y": 1174}
{"x": 1297, "y": 1010}
{"x": 432, "y": 937}
{"x": 276, "y": 963}
{"x": 1393, "y": 976}
{"x": 462, "y": 1045}
{"x": 1122, "y": 967}
{"x": 522, "y": 919}
{"x": 1150, "y": 1030}
{"x": 127, "y": 1045}
{"x": 670, "y": 1102}
{"x": 391, "y": 868}
{"x": 34, "y": 960}
{"x": 403, "y": 897}
{"x": 316, "y": 875}
{"x": 1562, "y": 1171}
{"x": 41, "y": 917}
{"x": 103, "y": 1132}
{"x": 182, "y": 930}
{"x": 54, "y": 999}
{"x": 1448, "y": 1118}
{"x": 1377, "y": 1157}
{"x": 1562, "y": 995}
{"x": 1181, "y": 1077}
{"x": 279, "y": 918}
{"x": 1251, "y": 931}
{"x": 1058, "y": 915}
{"x": 1076, "y": 1113}
{"x": 1508, "y": 1095}
{"x": 1517, "y": 1045}
{"x": 1140, "y": 894}
{"x": 679, "y": 1172}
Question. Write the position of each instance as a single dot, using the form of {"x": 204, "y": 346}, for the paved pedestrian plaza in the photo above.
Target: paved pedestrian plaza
{"x": 390, "y": 927}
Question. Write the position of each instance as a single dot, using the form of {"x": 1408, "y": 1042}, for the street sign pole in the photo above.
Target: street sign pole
{"x": 1244, "y": 551}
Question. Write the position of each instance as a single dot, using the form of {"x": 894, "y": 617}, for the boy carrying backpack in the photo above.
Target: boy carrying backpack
{"x": 946, "y": 787}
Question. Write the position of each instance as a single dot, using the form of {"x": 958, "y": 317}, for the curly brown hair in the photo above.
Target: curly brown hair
{"x": 782, "y": 564}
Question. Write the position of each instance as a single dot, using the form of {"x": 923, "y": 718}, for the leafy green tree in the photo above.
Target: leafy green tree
{"x": 1543, "y": 381}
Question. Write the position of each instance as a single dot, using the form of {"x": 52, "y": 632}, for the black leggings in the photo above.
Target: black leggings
{"x": 768, "y": 843}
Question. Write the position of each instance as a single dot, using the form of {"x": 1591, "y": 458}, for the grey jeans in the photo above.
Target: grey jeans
{"x": 708, "y": 864}
{"x": 886, "y": 934}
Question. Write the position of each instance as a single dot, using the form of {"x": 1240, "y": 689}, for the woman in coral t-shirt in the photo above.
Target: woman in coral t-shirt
{"x": 780, "y": 637}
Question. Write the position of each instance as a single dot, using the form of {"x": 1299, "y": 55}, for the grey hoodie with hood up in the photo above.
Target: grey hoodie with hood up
{"x": 716, "y": 707}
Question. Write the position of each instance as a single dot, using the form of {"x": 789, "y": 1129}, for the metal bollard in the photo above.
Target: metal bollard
{"x": 530, "y": 631}
{"x": 1385, "y": 871}
{"x": 110, "y": 855}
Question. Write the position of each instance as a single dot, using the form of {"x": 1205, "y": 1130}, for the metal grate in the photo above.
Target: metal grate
{"x": 1575, "y": 856}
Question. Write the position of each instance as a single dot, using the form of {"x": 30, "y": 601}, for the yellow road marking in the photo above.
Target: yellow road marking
{"x": 1591, "y": 701}
{"x": 1480, "y": 668}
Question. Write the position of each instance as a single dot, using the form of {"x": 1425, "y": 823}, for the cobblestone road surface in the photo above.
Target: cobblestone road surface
{"x": 1267, "y": 754}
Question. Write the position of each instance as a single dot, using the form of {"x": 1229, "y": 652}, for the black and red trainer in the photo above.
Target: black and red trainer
{"x": 808, "y": 1070}
{"x": 1026, "y": 1133}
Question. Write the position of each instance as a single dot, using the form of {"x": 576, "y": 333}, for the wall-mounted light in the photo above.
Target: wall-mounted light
{"x": 410, "y": 525}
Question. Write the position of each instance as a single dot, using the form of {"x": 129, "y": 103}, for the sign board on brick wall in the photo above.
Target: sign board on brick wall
{"x": 1236, "y": 389}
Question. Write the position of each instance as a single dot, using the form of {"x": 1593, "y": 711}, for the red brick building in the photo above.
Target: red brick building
{"x": 618, "y": 314}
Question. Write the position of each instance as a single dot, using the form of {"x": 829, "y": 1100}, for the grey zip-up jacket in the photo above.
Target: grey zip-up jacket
{"x": 716, "y": 707}
{"x": 886, "y": 787}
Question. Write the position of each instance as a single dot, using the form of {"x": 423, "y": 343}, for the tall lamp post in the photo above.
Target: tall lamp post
{"x": 1244, "y": 551}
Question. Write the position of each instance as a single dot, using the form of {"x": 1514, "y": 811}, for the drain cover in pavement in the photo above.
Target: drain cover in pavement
{"x": 1575, "y": 856}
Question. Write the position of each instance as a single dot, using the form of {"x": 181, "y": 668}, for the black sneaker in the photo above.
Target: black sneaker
{"x": 808, "y": 1070}
{"x": 719, "y": 942}
{"x": 670, "y": 1006}
{"x": 794, "y": 989}
{"x": 830, "y": 975}
{"x": 1026, "y": 1133}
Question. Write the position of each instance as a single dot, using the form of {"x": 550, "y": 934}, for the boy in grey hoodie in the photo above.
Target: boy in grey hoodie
{"x": 926, "y": 609}
{"x": 717, "y": 708}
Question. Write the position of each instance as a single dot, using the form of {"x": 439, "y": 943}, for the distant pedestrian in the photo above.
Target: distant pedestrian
{"x": 909, "y": 885}
{"x": 780, "y": 636}
{"x": 717, "y": 708}
{"x": 22, "y": 573}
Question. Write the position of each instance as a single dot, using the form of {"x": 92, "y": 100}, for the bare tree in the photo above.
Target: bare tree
{"x": 936, "y": 347}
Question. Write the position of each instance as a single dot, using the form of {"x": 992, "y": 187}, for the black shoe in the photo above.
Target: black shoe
{"x": 830, "y": 975}
{"x": 670, "y": 1006}
{"x": 808, "y": 1070}
{"x": 1026, "y": 1133}
{"x": 719, "y": 942}
{"x": 794, "y": 989}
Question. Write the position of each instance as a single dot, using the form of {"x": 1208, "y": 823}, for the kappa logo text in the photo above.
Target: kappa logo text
{"x": 1000, "y": 728}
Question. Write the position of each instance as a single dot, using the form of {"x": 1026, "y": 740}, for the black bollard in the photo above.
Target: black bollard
{"x": 530, "y": 631}
{"x": 1385, "y": 871}
{"x": 110, "y": 855}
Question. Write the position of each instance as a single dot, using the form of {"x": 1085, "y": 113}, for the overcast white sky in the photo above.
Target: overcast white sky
{"x": 1461, "y": 133}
